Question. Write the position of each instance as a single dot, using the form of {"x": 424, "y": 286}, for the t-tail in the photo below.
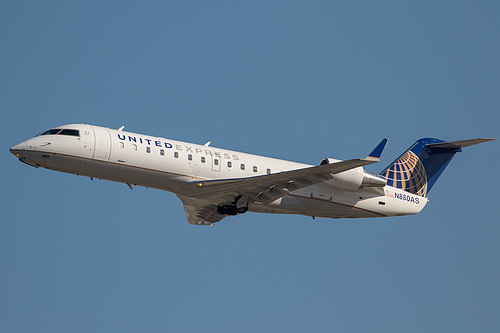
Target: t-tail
{"x": 418, "y": 168}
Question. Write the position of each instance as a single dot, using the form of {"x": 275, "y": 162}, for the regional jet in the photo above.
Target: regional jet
{"x": 214, "y": 183}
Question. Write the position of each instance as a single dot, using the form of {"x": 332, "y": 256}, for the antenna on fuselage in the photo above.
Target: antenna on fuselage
{"x": 208, "y": 143}
{"x": 121, "y": 128}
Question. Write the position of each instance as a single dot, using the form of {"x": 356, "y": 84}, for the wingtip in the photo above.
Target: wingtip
{"x": 377, "y": 152}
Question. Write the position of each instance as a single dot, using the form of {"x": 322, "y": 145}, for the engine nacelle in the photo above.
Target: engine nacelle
{"x": 353, "y": 179}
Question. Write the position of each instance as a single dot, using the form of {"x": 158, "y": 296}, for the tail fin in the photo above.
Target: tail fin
{"x": 418, "y": 168}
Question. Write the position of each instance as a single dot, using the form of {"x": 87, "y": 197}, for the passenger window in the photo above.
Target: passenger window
{"x": 216, "y": 162}
{"x": 122, "y": 145}
{"x": 190, "y": 157}
{"x": 202, "y": 159}
{"x": 148, "y": 149}
{"x": 229, "y": 164}
{"x": 162, "y": 152}
{"x": 176, "y": 154}
{"x": 254, "y": 168}
{"x": 134, "y": 147}
{"x": 242, "y": 167}
{"x": 268, "y": 171}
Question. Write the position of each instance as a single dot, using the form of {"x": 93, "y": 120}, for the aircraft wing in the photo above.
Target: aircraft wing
{"x": 268, "y": 188}
{"x": 201, "y": 203}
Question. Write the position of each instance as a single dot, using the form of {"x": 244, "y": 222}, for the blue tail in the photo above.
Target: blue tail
{"x": 418, "y": 168}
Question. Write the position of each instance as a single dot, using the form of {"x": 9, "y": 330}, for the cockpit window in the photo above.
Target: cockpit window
{"x": 52, "y": 131}
{"x": 70, "y": 132}
{"x": 60, "y": 131}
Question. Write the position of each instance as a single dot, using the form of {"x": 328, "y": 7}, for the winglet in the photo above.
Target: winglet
{"x": 377, "y": 152}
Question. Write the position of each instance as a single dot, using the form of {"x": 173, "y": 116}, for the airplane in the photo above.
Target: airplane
{"x": 215, "y": 183}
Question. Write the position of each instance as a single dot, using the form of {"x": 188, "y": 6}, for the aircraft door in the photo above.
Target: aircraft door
{"x": 86, "y": 146}
{"x": 216, "y": 161}
{"x": 102, "y": 143}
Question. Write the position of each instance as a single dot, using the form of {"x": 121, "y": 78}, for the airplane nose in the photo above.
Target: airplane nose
{"x": 18, "y": 148}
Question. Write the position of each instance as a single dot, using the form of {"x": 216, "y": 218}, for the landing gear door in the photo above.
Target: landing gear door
{"x": 102, "y": 143}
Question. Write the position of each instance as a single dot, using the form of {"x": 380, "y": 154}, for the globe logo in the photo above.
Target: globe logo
{"x": 408, "y": 173}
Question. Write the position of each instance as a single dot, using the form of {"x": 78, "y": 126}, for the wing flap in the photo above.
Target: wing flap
{"x": 200, "y": 214}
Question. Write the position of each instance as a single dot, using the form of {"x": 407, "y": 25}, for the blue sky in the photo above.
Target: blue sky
{"x": 293, "y": 80}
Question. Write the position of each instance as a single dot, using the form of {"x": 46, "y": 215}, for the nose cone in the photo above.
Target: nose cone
{"x": 19, "y": 148}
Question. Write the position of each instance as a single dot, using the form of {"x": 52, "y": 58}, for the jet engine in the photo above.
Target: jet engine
{"x": 353, "y": 179}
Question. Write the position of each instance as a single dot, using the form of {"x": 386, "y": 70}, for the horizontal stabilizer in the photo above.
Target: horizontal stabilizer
{"x": 458, "y": 144}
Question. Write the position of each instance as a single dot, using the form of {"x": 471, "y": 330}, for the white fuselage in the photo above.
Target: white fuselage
{"x": 175, "y": 166}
